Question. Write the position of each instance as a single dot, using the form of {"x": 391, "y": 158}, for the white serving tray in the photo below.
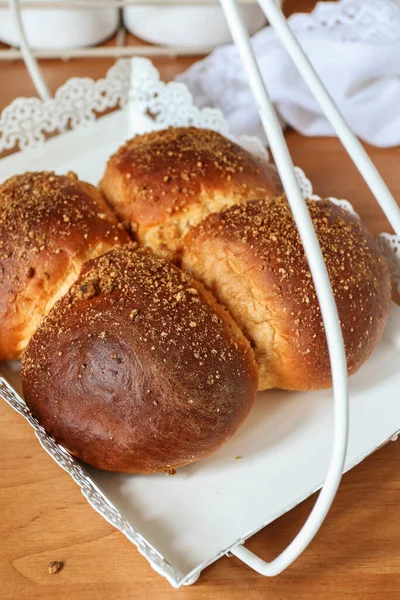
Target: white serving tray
{"x": 182, "y": 524}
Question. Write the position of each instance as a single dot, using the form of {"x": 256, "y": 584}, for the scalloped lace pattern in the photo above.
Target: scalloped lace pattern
{"x": 26, "y": 121}
{"x": 169, "y": 104}
{"x": 390, "y": 246}
{"x": 353, "y": 20}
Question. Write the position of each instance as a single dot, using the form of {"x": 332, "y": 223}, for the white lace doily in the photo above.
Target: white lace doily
{"x": 353, "y": 20}
{"x": 25, "y": 123}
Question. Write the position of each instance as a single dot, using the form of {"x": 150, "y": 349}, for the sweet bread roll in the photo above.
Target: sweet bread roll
{"x": 163, "y": 182}
{"x": 49, "y": 226}
{"x": 137, "y": 369}
{"x": 252, "y": 258}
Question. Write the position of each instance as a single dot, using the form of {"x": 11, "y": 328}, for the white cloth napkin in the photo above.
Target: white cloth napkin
{"x": 354, "y": 46}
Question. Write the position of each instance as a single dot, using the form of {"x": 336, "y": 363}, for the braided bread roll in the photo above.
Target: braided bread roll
{"x": 138, "y": 367}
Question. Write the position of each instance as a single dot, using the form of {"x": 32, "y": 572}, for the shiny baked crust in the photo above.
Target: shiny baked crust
{"x": 137, "y": 368}
{"x": 163, "y": 182}
{"x": 49, "y": 226}
{"x": 252, "y": 258}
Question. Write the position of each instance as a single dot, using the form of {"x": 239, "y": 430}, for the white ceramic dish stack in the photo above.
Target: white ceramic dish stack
{"x": 70, "y": 28}
{"x": 188, "y": 26}
{"x": 59, "y": 26}
{"x": 181, "y": 524}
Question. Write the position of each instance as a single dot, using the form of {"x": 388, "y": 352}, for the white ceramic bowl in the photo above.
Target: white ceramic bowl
{"x": 191, "y": 26}
{"x": 60, "y": 28}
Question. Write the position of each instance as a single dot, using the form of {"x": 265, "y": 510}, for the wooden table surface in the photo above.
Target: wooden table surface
{"x": 44, "y": 517}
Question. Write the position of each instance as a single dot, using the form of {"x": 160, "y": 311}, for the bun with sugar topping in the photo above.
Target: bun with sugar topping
{"x": 163, "y": 182}
{"x": 251, "y": 257}
{"x": 49, "y": 226}
{"x": 137, "y": 368}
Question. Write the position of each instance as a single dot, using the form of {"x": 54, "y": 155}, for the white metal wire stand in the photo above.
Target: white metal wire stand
{"x": 312, "y": 249}
{"x": 313, "y": 252}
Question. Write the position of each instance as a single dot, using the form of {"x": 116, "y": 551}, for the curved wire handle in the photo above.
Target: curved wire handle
{"x": 325, "y": 296}
{"x": 27, "y": 55}
{"x": 352, "y": 145}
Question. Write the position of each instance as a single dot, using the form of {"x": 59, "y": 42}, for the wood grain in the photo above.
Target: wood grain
{"x": 44, "y": 517}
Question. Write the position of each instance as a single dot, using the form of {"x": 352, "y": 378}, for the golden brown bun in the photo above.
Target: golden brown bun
{"x": 252, "y": 258}
{"x": 137, "y": 369}
{"x": 49, "y": 226}
{"x": 165, "y": 181}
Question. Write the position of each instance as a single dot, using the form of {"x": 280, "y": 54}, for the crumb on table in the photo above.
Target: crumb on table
{"x": 54, "y": 567}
